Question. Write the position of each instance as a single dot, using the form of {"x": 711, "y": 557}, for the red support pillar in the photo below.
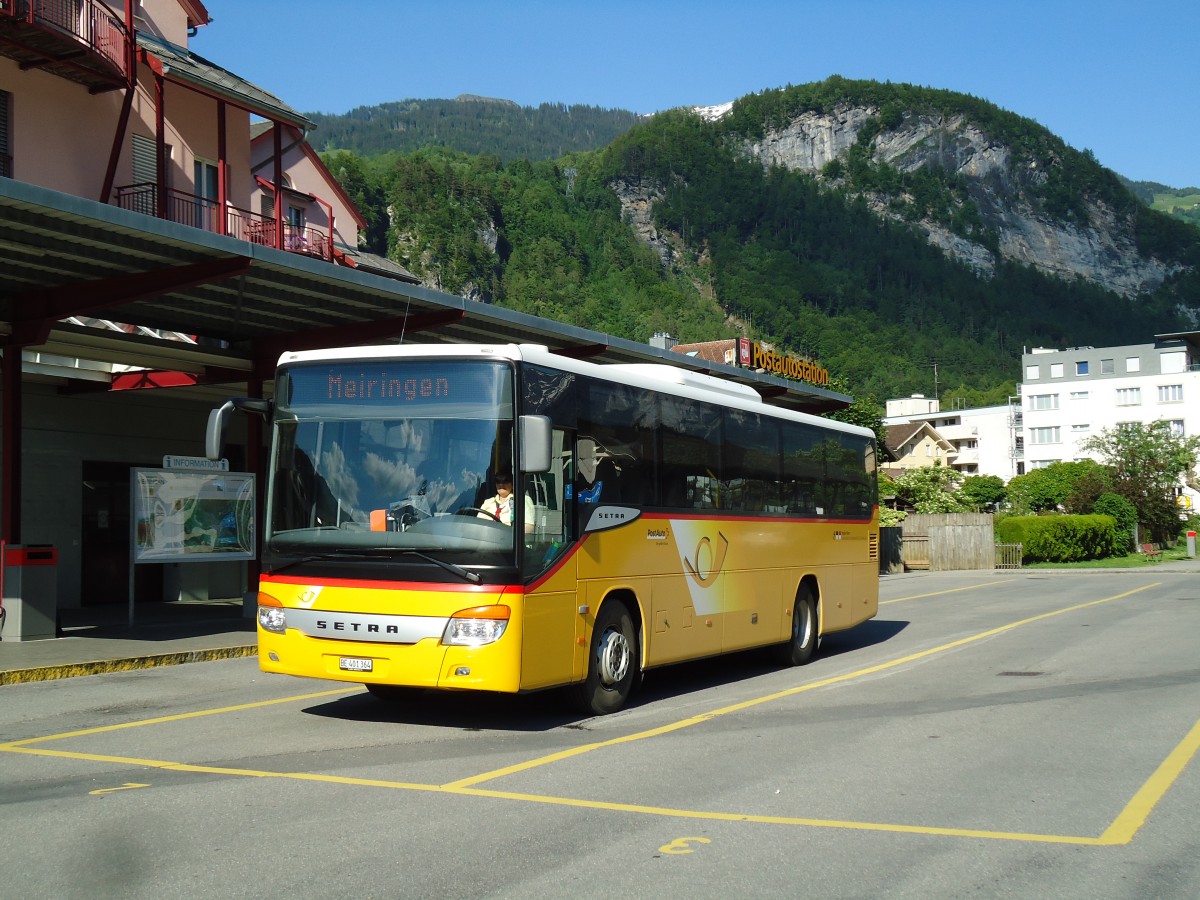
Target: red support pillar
{"x": 277, "y": 134}
{"x": 222, "y": 172}
{"x": 160, "y": 140}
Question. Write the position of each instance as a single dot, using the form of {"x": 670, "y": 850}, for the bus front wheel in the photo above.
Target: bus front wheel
{"x": 613, "y": 665}
{"x": 803, "y": 643}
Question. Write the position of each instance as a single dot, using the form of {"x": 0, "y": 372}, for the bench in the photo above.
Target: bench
{"x": 1151, "y": 552}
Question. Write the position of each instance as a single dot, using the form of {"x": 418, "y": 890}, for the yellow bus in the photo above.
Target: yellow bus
{"x": 502, "y": 518}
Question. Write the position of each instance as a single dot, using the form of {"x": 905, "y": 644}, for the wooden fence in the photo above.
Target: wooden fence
{"x": 949, "y": 542}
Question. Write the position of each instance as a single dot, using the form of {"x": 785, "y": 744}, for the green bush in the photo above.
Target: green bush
{"x": 1121, "y": 509}
{"x": 1062, "y": 538}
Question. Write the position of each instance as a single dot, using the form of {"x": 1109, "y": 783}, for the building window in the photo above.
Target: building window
{"x": 1077, "y": 429}
{"x": 1041, "y": 463}
{"x": 1032, "y": 373}
{"x": 1081, "y": 367}
{"x": 1133, "y": 364}
{"x": 1173, "y": 363}
{"x": 1107, "y": 367}
{"x": 1056, "y": 370}
{"x": 1176, "y": 426}
{"x": 1170, "y": 393}
{"x": 1079, "y": 395}
{"x": 1043, "y": 401}
{"x": 1129, "y": 396}
{"x": 1051, "y": 435}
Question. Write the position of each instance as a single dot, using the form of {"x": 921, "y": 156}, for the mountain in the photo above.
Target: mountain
{"x": 908, "y": 237}
{"x": 471, "y": 124}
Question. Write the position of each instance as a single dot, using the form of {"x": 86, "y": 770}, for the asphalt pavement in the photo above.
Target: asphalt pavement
{"x": 101, "y": 638}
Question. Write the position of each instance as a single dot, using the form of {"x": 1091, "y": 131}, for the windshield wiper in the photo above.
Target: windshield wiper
{"x": 382, "y": 553}
{"x": 450, "y": 567}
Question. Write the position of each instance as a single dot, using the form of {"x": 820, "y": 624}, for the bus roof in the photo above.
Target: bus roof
{"x": 650, "y": 376}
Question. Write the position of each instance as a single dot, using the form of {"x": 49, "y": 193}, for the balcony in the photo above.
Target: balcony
{"x": 81, "y": 40}
{"x": 200, "y": 212}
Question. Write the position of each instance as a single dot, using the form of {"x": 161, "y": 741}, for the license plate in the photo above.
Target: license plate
{"x": 355, "y": 664}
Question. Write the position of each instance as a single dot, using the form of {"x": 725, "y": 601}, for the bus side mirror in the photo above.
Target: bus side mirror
{"x": 535, "y": 443}
{"x": 214, "y": 435}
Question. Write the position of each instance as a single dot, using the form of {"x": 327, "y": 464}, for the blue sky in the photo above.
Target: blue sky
{"x": 1119, "y": 78}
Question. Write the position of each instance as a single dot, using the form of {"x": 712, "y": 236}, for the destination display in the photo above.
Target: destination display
{"x": 396, "y": 384}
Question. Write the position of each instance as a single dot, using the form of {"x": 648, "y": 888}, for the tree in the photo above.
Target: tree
{"x": 1147, "y": 462}
{"x": 1048, "y": 487}
{"x": 983, "y": 491}
{"x": 932, "y": 489}
{"x": 1123, "y": 511}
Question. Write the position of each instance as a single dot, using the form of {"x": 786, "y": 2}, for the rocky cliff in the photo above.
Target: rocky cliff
{"x": 1101, "y": 249}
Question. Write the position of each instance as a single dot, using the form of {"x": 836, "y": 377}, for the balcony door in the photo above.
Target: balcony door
{"x": 207, "y": 194}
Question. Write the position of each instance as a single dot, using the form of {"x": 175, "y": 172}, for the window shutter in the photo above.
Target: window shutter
{"x": 145, "y": 160}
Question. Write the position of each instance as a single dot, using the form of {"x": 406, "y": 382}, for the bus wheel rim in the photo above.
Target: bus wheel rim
{"x": 612, "y": 658}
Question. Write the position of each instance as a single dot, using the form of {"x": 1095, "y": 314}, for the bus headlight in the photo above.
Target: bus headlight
{"x": 271, "y": 615}
{"x": 476, "y": 626}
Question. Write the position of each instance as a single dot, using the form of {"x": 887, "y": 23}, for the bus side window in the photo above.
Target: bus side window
{"x": 616, "y": 446}
{"x": 691, "y": 454}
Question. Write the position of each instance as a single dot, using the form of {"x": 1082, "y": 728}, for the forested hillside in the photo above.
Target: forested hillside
{"x": 1182, "y": 203}
{"x": 475, "y": 125}
{"x": 675, "y": 227}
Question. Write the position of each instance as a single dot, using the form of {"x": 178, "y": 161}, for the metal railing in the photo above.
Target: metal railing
{"x": 203, "y": 213}
{"x": 90, "y": 21}
{"x": 1008, "y": 556}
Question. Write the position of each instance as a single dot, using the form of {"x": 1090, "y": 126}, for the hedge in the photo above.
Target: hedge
{"x": 1062, "y": 538}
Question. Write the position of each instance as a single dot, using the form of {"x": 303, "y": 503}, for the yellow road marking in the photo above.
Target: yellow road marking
{"x": 179, "y": 717}
{"x": 579, "y": 803}
{"x": 779, "y": 695}
{"x": 970, "y": 587}
{"x": 679, "y": 846}
{"x": 1137, "y": 810}
{"x": 127, "y": 786}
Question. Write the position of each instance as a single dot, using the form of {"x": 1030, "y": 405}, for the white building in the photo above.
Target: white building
{"x": 1070, "y": 395}
{"x": 982, "y": 439}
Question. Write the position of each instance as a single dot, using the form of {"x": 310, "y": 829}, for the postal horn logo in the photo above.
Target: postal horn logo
{"x": 709, "y": 557}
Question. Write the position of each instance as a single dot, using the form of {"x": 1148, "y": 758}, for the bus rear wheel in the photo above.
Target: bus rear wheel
{"x": 803, "y": 643}
{"x": 613, "y": 666}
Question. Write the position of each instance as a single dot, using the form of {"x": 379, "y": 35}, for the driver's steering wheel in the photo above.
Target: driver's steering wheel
{"x": 468, "y": 510}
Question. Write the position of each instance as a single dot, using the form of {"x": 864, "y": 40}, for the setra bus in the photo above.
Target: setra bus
{"x": 657, "y": 516}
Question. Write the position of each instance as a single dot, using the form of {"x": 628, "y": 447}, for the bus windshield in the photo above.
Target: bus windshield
{"x": 390, "y": 460}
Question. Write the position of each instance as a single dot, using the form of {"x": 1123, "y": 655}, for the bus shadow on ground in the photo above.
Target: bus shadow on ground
{"x": 548, "y": 710}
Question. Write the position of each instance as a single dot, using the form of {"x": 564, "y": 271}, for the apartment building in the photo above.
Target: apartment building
{"x": 978, "y": 441}
{"x": 1068, "y": 396}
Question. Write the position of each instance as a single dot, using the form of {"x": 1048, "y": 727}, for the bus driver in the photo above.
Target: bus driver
{"x": 500, "y": 506}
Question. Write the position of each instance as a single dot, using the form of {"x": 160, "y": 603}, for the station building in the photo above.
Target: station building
{"x": 166, "y": 232}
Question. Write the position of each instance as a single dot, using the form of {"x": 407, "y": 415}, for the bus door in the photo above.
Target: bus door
{"x": 551, "y": 621}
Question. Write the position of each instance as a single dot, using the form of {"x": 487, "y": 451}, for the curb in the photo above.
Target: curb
{"x": 99, "y": 667}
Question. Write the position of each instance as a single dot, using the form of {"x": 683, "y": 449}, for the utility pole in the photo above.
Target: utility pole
{"x": 935, "y": 381}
